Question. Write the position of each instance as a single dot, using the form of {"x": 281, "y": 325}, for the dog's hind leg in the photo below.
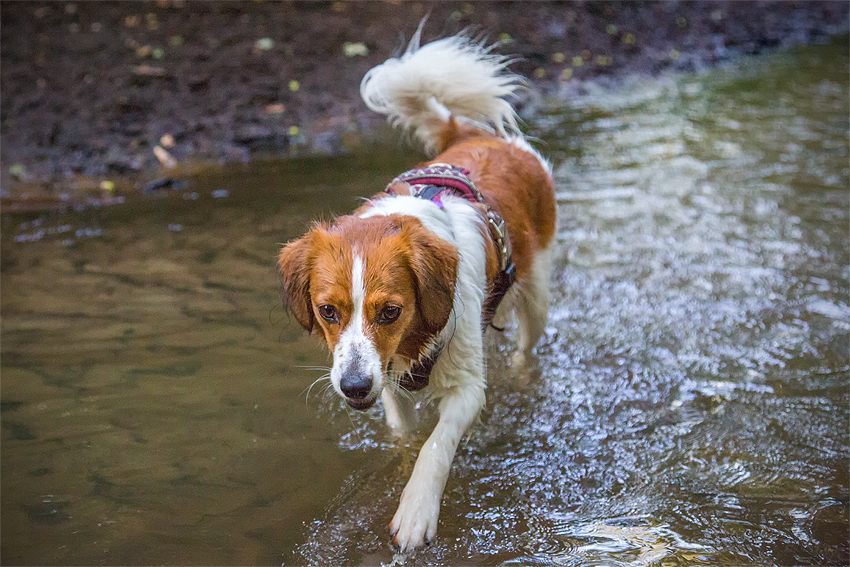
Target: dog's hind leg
{"x": 531, "y": 305}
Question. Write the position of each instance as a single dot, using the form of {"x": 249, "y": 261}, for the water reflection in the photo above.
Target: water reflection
{"x": 696, "y": 369}
{"x": 689, "y": 405}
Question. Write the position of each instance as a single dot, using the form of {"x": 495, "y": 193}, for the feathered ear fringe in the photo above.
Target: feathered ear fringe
{"x": 295, "y": 282}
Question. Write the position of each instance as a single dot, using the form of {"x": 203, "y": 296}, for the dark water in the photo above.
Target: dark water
{"x": 689, "y": 404}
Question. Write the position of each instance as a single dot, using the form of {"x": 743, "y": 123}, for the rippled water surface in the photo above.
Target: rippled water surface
{"x": 689, "y": 404}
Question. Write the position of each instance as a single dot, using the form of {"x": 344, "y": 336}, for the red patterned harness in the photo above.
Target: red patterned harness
{"x": 432, "y": 183}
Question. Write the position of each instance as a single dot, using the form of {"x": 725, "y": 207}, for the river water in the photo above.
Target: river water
{"x": 689, "y": 404}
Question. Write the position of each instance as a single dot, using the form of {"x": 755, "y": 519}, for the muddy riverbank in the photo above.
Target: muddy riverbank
{"x": 99, "y": 98}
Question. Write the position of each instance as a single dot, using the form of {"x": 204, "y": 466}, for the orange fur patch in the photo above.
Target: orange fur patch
{"x": 513, "y": 183}
{"x": 404, "y": 265}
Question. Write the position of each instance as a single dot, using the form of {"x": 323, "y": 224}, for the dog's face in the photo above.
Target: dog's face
{"x": 377, "y": 288}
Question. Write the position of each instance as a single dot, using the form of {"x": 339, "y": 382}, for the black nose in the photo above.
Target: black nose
{"x": 355, "y": 386}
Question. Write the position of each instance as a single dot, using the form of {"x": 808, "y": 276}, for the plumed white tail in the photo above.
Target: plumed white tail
{"x": 454, "y": 76}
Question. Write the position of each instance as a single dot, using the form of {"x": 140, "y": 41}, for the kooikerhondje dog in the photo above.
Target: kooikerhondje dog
{"x": 403, "y": 288}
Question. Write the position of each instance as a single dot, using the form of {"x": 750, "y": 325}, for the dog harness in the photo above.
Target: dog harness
{"x": 432, "y": 183}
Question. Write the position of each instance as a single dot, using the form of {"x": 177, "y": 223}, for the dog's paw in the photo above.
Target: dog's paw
{"x": 415, "y": 521}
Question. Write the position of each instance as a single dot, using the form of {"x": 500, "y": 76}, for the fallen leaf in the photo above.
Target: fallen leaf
{"x": 355, "y": 49}
{"x": 264, "y": 44}
{"x": 18, "y": 171}
{"x": 149, "y": 71}
{"x": 164, "y": 157}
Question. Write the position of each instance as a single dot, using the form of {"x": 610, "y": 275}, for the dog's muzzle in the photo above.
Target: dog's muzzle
{"x": 357, "y": 389}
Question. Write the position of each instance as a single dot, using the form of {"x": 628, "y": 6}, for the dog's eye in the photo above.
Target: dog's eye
{"x": 388, "y": 314}
{"x": 329, "y": 313}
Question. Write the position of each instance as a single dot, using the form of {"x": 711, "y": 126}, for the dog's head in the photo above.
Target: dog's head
{"x": 376, "y": 287}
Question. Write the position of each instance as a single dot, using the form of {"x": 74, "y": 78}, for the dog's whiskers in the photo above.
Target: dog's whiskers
{"x": 394, "y": 381}
{"x": 316, "y": 381}
{"x": 325, "y": 368}
{"x": 326, "y": 387}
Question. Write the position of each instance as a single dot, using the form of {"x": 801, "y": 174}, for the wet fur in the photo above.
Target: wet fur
{"x": 435, "y": 265}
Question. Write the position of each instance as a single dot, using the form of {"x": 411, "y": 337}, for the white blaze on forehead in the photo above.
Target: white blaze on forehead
{"x": 355, "y": 351}
{"x": 354, "y": 333}
{"x": 358, "y": 291}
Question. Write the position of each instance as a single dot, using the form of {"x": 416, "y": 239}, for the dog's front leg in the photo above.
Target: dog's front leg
{"x": 398, "y": 410}
{"x": 415, "y": 522}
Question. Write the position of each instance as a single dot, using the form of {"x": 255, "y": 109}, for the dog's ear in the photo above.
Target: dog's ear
{"x": 434, "y": 263}
{"x": 295, "y": 276}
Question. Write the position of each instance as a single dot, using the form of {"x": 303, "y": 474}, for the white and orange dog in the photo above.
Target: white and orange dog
{"x": 403, "y": 288}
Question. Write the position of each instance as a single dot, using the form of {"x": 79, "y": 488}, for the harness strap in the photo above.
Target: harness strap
{"x": 450, "y": 178}
{"x": 438, "y": 179}
{"x": 420, "y": 372}
{"x": 431, "y": 183}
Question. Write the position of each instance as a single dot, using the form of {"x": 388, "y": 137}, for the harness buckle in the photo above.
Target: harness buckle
{"x": 499, "y": 232}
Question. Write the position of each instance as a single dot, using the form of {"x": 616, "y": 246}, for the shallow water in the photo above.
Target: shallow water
{"x": 689, "y": 404}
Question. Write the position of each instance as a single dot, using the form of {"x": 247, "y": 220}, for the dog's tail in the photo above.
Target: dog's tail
{"x": 456, "y": 76}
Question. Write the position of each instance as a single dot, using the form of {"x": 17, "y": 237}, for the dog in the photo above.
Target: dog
{"x": 403, "y": 289}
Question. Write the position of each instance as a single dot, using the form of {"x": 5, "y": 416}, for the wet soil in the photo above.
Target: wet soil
{"x": 102, "y": 97}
